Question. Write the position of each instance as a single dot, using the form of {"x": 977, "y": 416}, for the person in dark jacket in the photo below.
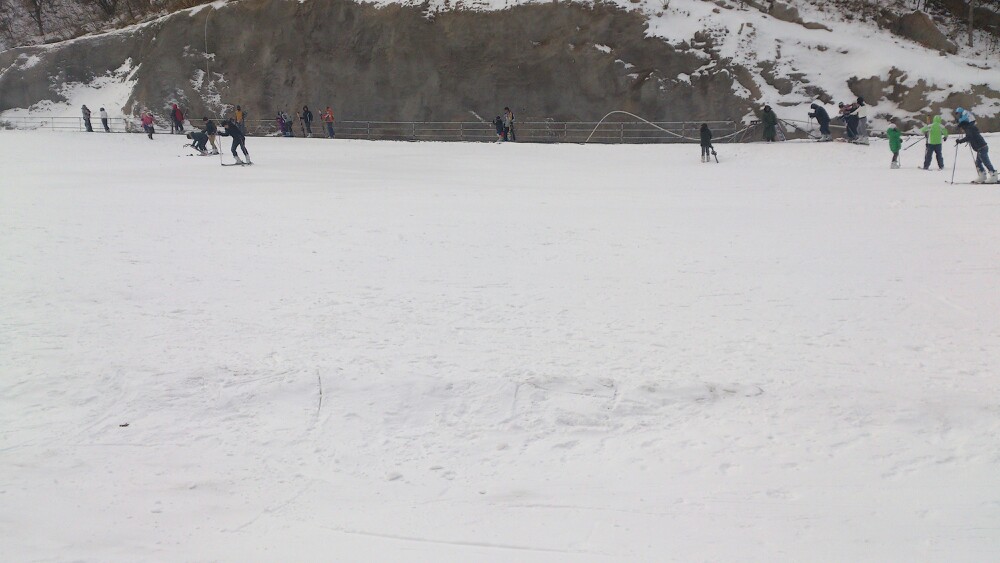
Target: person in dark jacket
{"x": 706, "y": 143}
{"x": 211, "y": 130}
{"x": 231, "y": 129}
{"x": 307, "y": 119}
{"x": 86, "y": 118}
{"x": 498, "y": 125}
{"x": 770, "y": 123}
{"x": 198, "y": 141}
{"x": 848, "y": 114}
{"x": 982, "y": 150}
{"x": 823, "y": 119}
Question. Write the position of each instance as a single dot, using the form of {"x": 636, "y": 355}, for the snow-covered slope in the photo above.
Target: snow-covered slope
{"x": 361, "y": 351}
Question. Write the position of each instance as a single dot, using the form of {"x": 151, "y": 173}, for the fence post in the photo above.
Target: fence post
{"x": 621, "y": 132}
{"x": 413, "y": 130}
{"x": 368, "y": 130}
{"x": 461, "y": 131}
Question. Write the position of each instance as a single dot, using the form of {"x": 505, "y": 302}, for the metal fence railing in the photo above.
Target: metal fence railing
{"x": 533, "y": 131}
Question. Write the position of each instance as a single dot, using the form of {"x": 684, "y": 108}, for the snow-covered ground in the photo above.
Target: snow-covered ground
{"x": 361, "y": 351}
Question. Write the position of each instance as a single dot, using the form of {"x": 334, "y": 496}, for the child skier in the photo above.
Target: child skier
{"x": 895, "y": 143}
{"x": 936, "y": 134}
{"x": 230, "y": 129}
{"x": 706, "y": 143}
{"x": 982, "y": 150}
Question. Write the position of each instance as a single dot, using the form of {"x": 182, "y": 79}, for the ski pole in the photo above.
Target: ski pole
{"x": 913, "y": 143}
{"x": 954, "y": 163}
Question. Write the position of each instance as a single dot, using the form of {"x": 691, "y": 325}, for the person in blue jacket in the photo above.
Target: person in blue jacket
{"x": 823, "y": 118}
{"x": 982, "y": 150}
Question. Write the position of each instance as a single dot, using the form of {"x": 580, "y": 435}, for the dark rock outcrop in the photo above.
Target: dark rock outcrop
{"x": 919, "y": 27}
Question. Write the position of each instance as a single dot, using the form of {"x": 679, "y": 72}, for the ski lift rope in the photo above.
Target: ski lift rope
{"x": 599, "y": 123}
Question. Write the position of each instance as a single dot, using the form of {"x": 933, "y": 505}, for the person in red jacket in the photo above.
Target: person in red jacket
{"x": 328, "y": 119}
{"x": 177, "y": 116}
{"x": 147, "y": 123}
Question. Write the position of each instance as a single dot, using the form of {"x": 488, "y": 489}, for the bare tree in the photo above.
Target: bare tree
{"x": 972, "y": 11}
{"x": 107, "y": 7}
{"x": 37, "y": 11}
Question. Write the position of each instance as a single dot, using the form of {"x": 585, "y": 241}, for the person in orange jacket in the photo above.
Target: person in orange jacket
{"x": 328, "y": 119}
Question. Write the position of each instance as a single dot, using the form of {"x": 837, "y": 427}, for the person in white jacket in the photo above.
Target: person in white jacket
{"x": 104, "y": 121}
{"x": 862, "y": 113}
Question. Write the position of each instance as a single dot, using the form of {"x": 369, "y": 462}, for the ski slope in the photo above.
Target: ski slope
{"x": 376, "y": 351}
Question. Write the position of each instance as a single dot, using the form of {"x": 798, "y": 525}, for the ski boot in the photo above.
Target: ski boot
{"x": 982, "y": 179}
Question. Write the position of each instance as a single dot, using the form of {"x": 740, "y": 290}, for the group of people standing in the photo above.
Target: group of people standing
{"x": 505, "y": 126}
{"x": 230, "y": 128}
{"x": 285, "y": 122}
{"x": 935, "y": 135}
{"x": 853, "y": 115}
{"x": 86, "y": 119}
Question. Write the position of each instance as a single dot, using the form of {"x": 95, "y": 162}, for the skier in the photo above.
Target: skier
{"x": 104, "y": 121}
{"x": 147, "y": 124}
{"x": 198, "y": 140}
{"x": 307, "y": 119}
{"x": 861, "y": 111}
{"x": 964, "y": 116}
{"x": 231, "y": 129}
{"x": 850, "y": 119}
{"x": 770, "y": 122}
{"x": 211, "y": 130}
{"x": 936, "y": 134}
{"x": 706, "y": 143}
{"x": 498, "y": 125}
{"x": 289, "y": 122}
{"x": 508, "y": 125}
{"x": 328, "y": 119}
{"x": 86, "y": 118}
{"x": 982, "y": 150}
{"x": 823, "y": 118}
{"x": 177, "y": 117}
{"x": 241, "y": 116}
{"x": 895, "y": 143}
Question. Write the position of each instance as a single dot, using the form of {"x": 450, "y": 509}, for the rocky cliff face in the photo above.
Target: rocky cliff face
{"x": 559, "y": 61}
{"x": 562, "y": 61}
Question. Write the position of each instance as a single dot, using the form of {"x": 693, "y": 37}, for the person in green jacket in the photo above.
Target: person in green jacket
{"x": 770, "y": 122}
{"x": 895, "y": 143}
{"x": 936, "y": 134}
